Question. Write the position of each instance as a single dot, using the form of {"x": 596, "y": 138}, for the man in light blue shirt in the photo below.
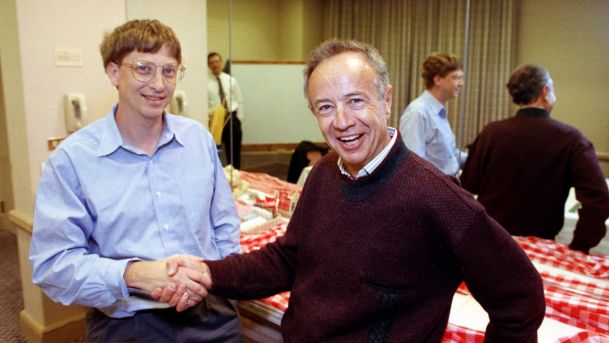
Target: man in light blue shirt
{"x": 122, "y": 195}
{"x": 424, "y": 125}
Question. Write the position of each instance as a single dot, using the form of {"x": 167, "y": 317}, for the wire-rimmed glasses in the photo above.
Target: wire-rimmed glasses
{"x": 145, "y": 71}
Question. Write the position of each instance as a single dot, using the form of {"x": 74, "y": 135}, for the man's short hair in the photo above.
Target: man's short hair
{"x": 526, "y": 83}
{"x": 439, "y": 63}
{"x": 147, "y": 36}
{"x": 335, "y": 47}
{"x": 212, "y": 54}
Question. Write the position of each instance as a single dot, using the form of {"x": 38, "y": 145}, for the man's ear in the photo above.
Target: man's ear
{"x": 388, "y": 100}
{"x": 112, "y": 70}
{"x": 437, "y": 80}
{"x": 544, "y": 93}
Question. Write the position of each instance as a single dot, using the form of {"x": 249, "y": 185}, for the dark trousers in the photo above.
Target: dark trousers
{"x": 214, "y": 320}
{"x": 235, "y": 143}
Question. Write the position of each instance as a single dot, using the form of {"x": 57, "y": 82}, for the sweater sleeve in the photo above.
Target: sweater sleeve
{"x": 591, "y": 191}
{"x": 263, "y": 272}
{"x": 259, "y": 273}
{"x": 502, "y": 279}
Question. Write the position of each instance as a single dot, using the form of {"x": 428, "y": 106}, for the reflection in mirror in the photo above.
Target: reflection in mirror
{"x": 225, "y": 104}
{"x": 267, "y": 48}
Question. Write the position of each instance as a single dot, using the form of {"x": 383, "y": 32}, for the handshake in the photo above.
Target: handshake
{"x": 181, "y": 281}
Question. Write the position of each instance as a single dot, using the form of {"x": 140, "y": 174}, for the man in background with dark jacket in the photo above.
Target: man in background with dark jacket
{"x": 523, "y": 167}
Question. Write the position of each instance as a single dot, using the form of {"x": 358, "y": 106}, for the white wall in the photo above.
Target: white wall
{"x": 274, "y": 104}
{"x": 42, "y": 27}
{"x": 571, "y": 39}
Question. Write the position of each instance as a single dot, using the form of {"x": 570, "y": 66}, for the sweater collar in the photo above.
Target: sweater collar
{"x": 533, "y": 112}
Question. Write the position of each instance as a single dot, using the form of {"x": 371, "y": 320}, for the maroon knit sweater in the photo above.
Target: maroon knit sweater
{"x": 379, "y": 259}
{"x": 522, "y": 169}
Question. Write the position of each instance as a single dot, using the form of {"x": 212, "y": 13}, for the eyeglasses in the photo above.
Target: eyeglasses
{"x": 145, "y": 71}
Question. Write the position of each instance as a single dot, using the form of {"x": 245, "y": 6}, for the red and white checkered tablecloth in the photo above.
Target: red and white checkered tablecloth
{"x": 578, "y": 302}
{"x": 460, "y": 334}
{"x": 582, "y": 302}
{"x": 585, "y": 337}
{"x": 568, "y": 302}
{"x": 560, "y": 256}
{"x": 256, "y": 241}
{"x": 268, "y": 184}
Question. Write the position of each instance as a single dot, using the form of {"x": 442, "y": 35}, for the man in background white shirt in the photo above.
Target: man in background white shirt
{"x": 223, "y": 90}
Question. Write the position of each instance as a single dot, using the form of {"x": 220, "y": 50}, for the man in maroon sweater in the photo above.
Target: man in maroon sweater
{"x": 380, "y": 239}
{"x": 523, "y": 167}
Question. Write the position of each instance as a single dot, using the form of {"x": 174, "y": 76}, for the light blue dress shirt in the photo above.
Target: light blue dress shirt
{"x": 426, "y": 131}
{"x": 102, "y": 203}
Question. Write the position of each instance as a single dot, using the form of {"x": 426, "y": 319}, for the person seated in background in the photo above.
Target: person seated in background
{"x": 522, "y": 167}
{"x": 305, "y": 155}
{"x": 380, "y": 239}
{"x": 424, "y": 124}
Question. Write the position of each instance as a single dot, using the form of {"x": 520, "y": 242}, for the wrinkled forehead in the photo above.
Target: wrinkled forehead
{"x": 348, "y": 61}
{"x": 343, "y": 68}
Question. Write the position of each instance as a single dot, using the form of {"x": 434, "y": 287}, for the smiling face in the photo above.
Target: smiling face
{"x": 351, "y": 113}
{"x": 142, "y": 101}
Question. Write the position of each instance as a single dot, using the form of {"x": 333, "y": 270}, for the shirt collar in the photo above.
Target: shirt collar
{"x": 111, "y": 138}
{"x": 436, "y": 106}
{"x": 533, "y": 112}
{"x": 375, "y": 162}
{"x": 213, "y": 76}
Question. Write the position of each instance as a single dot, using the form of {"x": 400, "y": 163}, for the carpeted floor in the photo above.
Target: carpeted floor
{"x": 11, "y": 301}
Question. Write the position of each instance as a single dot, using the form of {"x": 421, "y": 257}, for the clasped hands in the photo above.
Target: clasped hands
{"x": 181, "y": 281}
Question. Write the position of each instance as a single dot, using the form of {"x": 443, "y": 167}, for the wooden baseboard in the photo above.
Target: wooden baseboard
{"x": 21, "y": 220}
{"x": 69, "y": 330}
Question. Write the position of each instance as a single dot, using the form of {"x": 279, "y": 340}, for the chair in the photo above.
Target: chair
{"x": 216, "y": 123}
{"x": 305, "y": 154}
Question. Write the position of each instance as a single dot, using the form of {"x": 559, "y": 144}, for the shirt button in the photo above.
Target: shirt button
{"x": 158, "y": 194}
{"x": 166, "y": 227}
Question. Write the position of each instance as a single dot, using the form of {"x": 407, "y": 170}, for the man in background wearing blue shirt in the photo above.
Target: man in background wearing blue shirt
{"x": 424, "y": 124}
{"x": 120, "y": 196}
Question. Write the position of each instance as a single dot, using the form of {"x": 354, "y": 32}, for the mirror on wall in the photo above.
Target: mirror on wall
{"x": 267, "y": 43}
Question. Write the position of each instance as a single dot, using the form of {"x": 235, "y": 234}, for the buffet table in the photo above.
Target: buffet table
{"x": 576, "y": 285}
